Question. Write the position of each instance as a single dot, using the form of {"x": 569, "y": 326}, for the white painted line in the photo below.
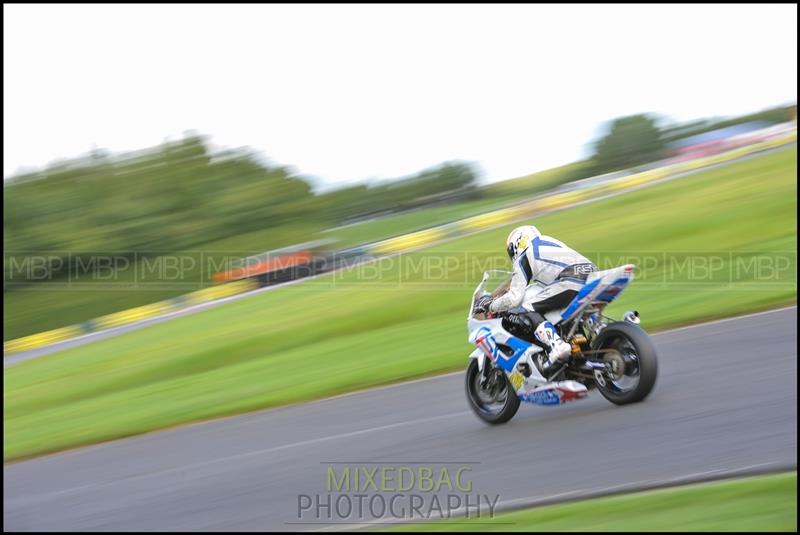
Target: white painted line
{"x": 459, "y": 372}
{"x": 723, "y": 320}
{"x": 649, "y": 484}
{"x": 258, "y": 412}
{"x": 46, "y": 496}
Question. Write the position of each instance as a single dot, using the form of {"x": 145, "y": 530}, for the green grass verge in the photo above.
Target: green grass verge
{"x": 538, "y": 182}
{"x": 402, "y": 318}
{"x": 41, "y": 307}
{"x": 494, "y": 196}
{"x": 395, "y": 225}
{"x": 49, "y": 305}
{"x": 763, "y": 503}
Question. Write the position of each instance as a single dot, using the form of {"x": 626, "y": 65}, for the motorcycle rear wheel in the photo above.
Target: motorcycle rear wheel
{"x": 634, "y": 360}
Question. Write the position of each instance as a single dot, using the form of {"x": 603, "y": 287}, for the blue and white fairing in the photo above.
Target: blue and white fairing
{"x": 489, "y": 335}
{"x": 602, "y": 286}
{"x": 532, "y": 389}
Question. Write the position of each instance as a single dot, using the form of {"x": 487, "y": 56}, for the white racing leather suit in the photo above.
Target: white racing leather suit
{"x": 558, "y": 273}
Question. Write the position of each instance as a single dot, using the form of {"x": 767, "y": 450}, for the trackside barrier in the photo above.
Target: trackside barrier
{"x": 42, "y": 339}
{"x": 402, "y": 243}
{"x": 491, "y": 219}
{"x": 125, "y": 317}
{"x": 408, "y": 241}
{"x": 560, "y": 200}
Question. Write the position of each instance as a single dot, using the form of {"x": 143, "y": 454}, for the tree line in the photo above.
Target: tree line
{"x": 181, "y": 195}
{"x": 640, "y": 139}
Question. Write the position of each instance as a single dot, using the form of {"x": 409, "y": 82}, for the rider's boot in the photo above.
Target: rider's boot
{"x": 559, "y": 350}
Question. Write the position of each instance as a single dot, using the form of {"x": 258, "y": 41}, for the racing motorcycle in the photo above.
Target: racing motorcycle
{"x": 615, "y": 357}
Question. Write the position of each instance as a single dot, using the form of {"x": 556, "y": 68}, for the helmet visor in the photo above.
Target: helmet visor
{"x": 511, "y": 249}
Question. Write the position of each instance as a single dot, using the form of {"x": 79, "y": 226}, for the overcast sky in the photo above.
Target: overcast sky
{"x": 350, "y": 92}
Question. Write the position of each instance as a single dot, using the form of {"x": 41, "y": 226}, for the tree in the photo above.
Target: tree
{"x": 775, "y": 115}
{"x": 631, "y": 141}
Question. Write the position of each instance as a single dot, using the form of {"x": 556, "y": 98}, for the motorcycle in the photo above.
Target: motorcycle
{"x": 615, "y": 357}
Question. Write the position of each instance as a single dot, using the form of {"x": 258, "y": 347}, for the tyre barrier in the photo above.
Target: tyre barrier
{"x": 124, "y": 317}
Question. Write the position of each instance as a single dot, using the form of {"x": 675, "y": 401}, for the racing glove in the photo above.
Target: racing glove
{"x": 482, "y": 304}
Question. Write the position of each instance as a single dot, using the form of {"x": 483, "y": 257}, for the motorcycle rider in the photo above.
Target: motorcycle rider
{"x": 556, "y": 271}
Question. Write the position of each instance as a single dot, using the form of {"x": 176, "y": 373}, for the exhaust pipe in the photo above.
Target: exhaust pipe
{"x": 631, "y": 316}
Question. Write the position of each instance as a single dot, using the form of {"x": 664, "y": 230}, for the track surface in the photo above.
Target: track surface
{"x": 726, "y": 398}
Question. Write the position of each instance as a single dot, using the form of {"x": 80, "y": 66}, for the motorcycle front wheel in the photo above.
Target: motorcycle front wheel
{"x": 497, "y": 402}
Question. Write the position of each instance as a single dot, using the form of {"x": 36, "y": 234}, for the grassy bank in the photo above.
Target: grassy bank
{"x": 52, "y": 304}
{"x": 766, "y": 503}
{"x": 404, "y": 317}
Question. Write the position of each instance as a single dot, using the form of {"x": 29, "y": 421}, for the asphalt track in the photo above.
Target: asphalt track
{"x": 725, "y": 401}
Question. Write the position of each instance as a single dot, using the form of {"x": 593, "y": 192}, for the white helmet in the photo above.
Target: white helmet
{"x": 519, "y": 239}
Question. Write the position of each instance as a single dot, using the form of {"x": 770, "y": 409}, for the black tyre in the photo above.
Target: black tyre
{"x": 632, "y": 356}
{"x": 496, "y": 404}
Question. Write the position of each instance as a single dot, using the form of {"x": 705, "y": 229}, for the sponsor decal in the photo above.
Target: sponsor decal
{"x": 516, "y": 379}
{"x": 522, "y": 243}
{"x": 542, "y": 397}
{"x": 570, "y": 395}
